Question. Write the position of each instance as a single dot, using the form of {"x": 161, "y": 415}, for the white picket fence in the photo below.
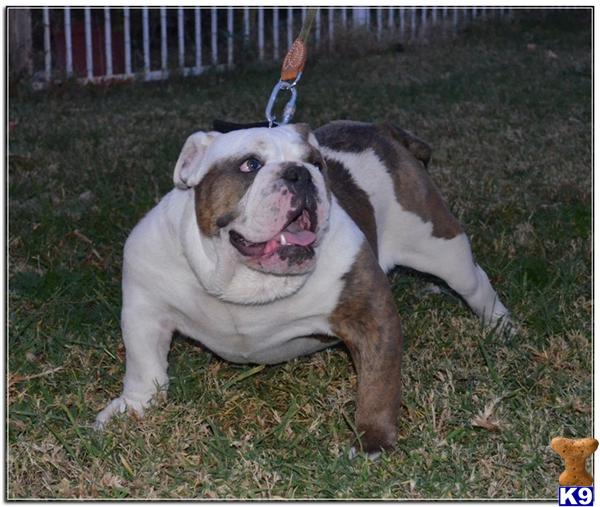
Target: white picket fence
{"x": 72, "y": 47}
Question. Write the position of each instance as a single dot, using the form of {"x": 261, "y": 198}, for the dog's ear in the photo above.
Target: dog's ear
{"x": 306, "y": 133}
{"x": 194, "y": 149}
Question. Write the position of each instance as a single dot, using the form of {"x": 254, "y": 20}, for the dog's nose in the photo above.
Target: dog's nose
{"x": 297, "y": 174}
{"x": 298, "y": 180}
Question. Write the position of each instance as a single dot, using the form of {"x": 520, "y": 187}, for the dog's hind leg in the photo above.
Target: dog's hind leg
{"x": 452, "y": 261}
{"x": 420, "y": 232}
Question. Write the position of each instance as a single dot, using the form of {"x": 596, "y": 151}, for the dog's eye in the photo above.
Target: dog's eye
{"x": 318, "y": 165}
{"x": 250, "y": 165}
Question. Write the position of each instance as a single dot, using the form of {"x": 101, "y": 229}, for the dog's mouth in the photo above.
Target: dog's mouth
{"x": 297, "y": 237}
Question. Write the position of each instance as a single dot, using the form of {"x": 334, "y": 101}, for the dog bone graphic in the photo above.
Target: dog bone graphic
{"x": 574, "y": 452}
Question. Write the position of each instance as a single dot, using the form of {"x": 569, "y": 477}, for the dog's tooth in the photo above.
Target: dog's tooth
{"x": 282, "y": 239}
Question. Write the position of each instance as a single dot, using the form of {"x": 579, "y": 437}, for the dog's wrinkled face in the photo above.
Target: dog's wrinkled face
{"x": 261, "y": 194}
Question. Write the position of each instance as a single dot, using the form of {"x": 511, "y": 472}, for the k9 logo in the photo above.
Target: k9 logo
{"x": 571, "y": 495}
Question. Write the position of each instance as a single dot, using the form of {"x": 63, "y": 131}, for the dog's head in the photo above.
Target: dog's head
{"x": 260, "y": 195}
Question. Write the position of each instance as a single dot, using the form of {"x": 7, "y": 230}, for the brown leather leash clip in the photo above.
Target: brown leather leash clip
{"x": 291, "y": 72}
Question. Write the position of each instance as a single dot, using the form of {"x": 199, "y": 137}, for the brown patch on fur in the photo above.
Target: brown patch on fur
{"x": 419, "y": 148}
{"x": 219, "y": 192}
{"x": 313, "y": 156}
{"x": 329, "y": 135}
{"x": 354, "y": 200}
{"x": 367, "y": 321}
{"x": 303, "y": 129}
{"x": 415, "y": 190}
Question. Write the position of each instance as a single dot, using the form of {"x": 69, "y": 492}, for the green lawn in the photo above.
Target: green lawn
{"x": 510, "y": 126}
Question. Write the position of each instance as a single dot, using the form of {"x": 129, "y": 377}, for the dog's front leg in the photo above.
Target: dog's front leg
{"x": 147, "y": 340}
{"x": 366, "y": 320}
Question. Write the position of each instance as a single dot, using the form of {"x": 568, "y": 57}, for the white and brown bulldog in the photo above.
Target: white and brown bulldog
{"x": 275, "y": 244}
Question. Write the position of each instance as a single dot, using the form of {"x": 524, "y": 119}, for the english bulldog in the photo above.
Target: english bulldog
{"x": 275, "y": 243}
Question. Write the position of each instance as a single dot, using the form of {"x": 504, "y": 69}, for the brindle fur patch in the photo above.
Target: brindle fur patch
{"x": 354, "y": 200}
{"x": 398, "y": 150}
{"x": 366, "y": 320}
{"x": 219, "y": 193}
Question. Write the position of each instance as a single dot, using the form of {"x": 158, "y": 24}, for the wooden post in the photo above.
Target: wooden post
{"x": 20, "y": 55}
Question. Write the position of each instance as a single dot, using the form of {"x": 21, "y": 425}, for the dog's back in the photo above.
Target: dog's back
{"x": 378, "y": 174}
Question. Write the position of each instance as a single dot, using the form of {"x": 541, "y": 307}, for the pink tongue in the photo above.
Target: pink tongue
{"x": 302, "y": 238}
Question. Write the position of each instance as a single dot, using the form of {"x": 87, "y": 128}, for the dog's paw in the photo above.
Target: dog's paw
{"x": 510, "y": 329}
{"x": 504, "y": 326}
{"x": 118, "y": 406}
{"x": 372, "y": 456}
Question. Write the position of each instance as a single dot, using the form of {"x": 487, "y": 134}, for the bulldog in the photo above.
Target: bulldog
{"x": 275, "y": 243}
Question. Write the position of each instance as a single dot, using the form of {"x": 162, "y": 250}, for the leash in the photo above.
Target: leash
{"x": 291, "y": 73}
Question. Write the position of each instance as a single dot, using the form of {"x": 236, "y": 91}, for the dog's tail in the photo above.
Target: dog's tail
{"x": 419, "y": 148}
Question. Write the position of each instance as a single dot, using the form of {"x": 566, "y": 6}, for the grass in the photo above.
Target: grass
{"x": 511, "y": 131}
